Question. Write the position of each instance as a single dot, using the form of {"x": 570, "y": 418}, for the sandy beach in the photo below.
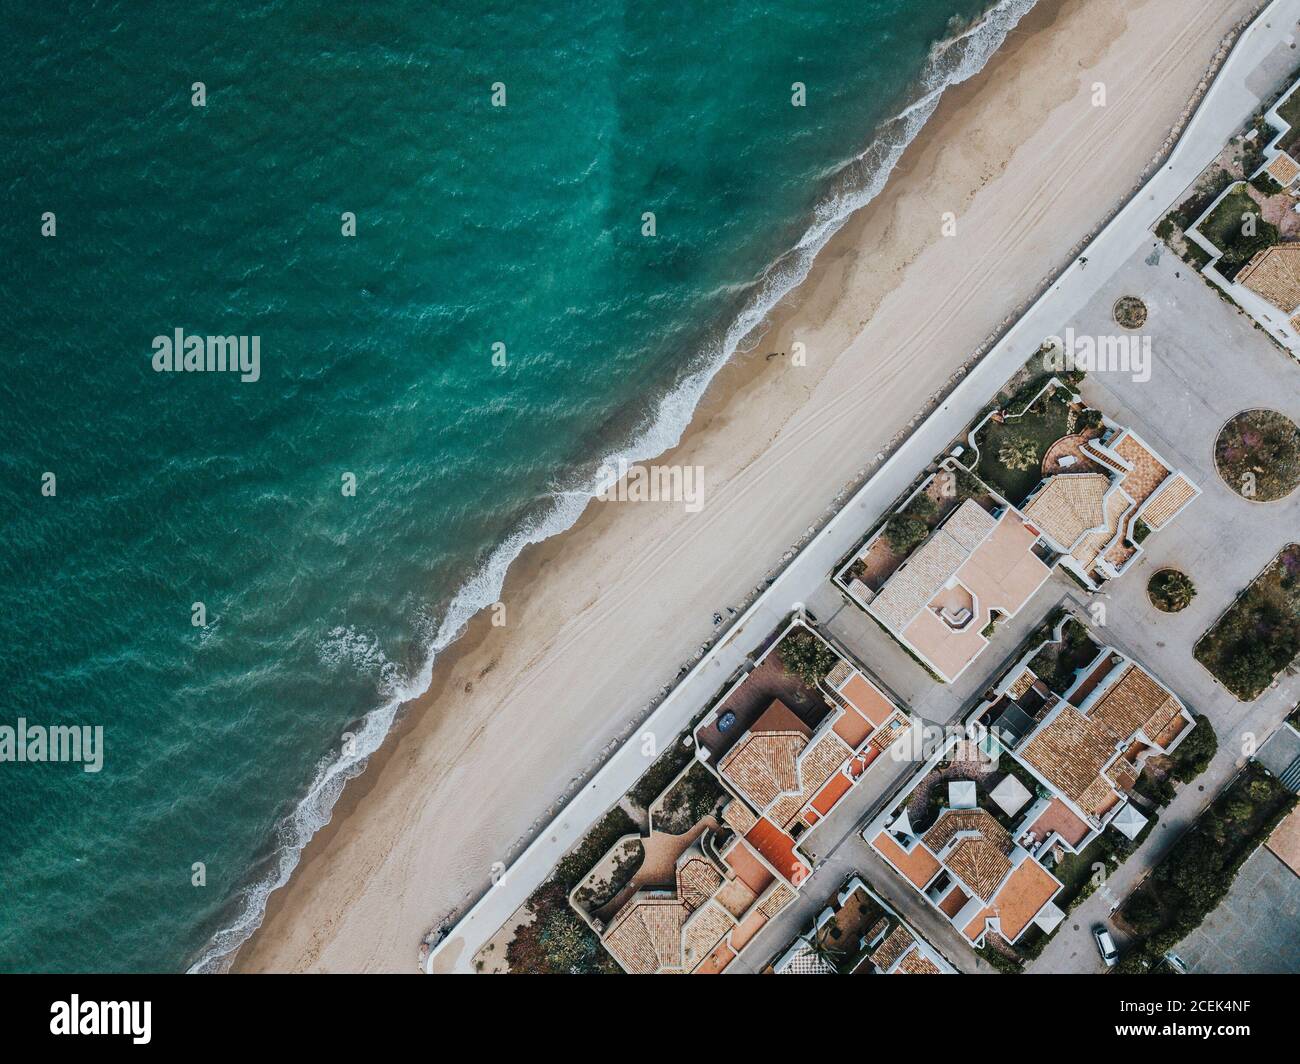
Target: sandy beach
{"x": 601, "y": 619}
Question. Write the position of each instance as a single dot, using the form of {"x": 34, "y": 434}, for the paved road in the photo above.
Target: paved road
{"x": 1246, "y": 76}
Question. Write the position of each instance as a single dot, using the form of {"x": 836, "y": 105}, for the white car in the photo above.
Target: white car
{"x": 1105, "y": 945}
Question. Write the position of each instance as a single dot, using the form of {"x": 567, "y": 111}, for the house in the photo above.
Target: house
{"x": 1088, "y": 746}
{"x": 1266, "y": 288}
{"x": 1095, "y": 513}
{"x": 1281, "y": 168}
{"x": 862, "y": 935}
{"x": 783, "y": 767}
{"x": 942, "y": 600}
{"x": 966, "y": 863}
{"x": 722, "y": 896}
{"x": 787, "y": 770}
{"x": 1050, "y": 771}
{"x": 1274, "y": 275}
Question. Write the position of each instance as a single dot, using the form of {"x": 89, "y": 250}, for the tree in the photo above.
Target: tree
{"x": 905, "y": 533}
{"x": 1195, "y": 753}
{"x": 820, "y": 945}
{"x": 1018, "y": 452}
{"x": 1250, "y": 670}
{"x": 1172, "y": 591}
{"x": 806, "y": 656}
{"x": 922, "y": 506}
{"x": 1143, "y": 912}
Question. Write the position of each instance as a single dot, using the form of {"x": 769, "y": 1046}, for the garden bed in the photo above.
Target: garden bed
{"x": 1226, "y": 230}
{"x": 1170, "y": 591}
{"x": 1259, "y": 634}
{"x": 1057, "y": 663}
{"x": 1257, "y": 454}
{"x": 1011, "y": 451}
{"x": 692, "y": 798}
{"x": 556, "y": 940}
{"x": 1130, "y": 312}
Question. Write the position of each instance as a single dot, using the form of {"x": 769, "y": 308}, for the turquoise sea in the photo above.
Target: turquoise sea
{"x": 475, "y": 225}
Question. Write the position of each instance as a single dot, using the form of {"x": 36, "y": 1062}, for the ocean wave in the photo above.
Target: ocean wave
{"x": 859, "y": 181}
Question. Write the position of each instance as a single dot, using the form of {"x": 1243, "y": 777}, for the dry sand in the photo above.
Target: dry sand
{"x": 601, "y": 618}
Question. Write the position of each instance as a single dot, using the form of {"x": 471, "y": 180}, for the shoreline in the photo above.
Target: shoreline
{"x": 374, "y": 864}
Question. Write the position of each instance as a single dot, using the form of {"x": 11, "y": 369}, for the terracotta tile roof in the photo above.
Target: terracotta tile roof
{"x": 979, "y": 857}
{"x": 1134, "y": 702}
{"x": 1283, "y": 169}
{"x": 697, "y": 880}
{"x": 978, "y": 864}
{"x": 926, "y": 570}
{"x": 970, "y": 525}
{"x": 1118, "y": 505}
{"x": 663, "y": 931}
{"x": 1123, "y": 773}
{"x": 1097, "y": 797}
{"x": 954, "y": 821}
{"x": 1070, "y": 752}
{"x": 887, "y": 735}
{"x": 840, "y": 674}
{"x": 1068, "y": 505}
{"x": 1025, "y": 892}
{"x": 777, "y": 899}
{"x": 1176, "y": 493}
{"x": 1148, "y": 471}
{"x": 1171, "y": 731}
{"x": 1023, "y": 683}
{"x": 704, "y": 930}
{"x": 764, "y": 762}
{"x": 917, "y": 963}
{"x": 896, "y": 943}
{"x": 739, "y": 816}
{"x": 1274, "y": 274}
{"x": 1101, "y": 454}
{"x": 645, "y": 937}
{"x": 816, "y": 766}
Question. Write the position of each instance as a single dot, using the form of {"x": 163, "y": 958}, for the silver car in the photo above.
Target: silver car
{"x": 1105, "y": 945}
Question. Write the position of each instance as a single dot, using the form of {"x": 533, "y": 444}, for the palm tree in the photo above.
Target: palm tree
{"x": 1018, "y": 453}
{"x": 820, "y": 946}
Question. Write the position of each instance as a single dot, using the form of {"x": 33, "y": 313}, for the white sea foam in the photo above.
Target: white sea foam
{"x": 859, "y": 181}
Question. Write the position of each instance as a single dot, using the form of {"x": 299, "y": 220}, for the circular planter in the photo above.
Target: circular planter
{"x": 1159, "y": 591}
{"x": 1130, "y": 312}
{"x": 1257, "y": 455}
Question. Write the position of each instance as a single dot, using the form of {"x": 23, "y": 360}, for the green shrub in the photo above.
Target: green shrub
{"x": 1194, "y": 753}
{"x": 905, "y": 533}
{"x": 1169, "y": 589}
{"x": 806, "y": 656}
{"x": 1018, "y": 452}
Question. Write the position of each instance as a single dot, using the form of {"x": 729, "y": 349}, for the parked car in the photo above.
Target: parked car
{"x": 1105, "y": 945}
